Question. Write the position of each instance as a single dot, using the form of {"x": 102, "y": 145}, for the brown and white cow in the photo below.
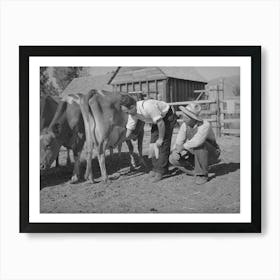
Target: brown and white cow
{"x": 66, "y": 129}
{"x": 48, "y": 107}
{"x": 105, "y": 127}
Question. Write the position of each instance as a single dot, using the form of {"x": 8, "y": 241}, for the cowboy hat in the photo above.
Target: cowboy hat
{"x": 192, "y": 110}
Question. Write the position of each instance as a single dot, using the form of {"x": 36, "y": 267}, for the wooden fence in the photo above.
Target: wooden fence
{"x": 215, "y": 112}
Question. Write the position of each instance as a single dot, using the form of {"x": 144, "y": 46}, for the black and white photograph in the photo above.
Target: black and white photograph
{"x": 158, "y": 138}
{"x": 140, "y": 139}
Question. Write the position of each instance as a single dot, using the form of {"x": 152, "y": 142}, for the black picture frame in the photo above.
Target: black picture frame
{"x": 254, "y": 52}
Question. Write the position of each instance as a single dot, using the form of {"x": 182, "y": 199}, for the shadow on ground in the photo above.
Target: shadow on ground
{"x": 218, "y": 170}
{"x": 224, "y": 168}
{"x": 114, "y": 163}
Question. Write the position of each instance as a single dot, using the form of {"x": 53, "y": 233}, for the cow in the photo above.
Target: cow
{"x": 66, "y": 129}
{"x": 105, "y": 127}
{"x": 48, "y": 107}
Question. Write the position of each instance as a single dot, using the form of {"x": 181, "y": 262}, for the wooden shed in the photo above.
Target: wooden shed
{"x": 170, "y": 84}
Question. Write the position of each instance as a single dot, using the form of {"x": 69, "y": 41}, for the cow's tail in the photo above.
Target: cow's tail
{"x": 83, "y": 101}
{"x": 88, "y": 111}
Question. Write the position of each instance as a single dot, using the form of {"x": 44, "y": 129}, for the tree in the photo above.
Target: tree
{"x": 64, "y": 75}
{"x": 236, "y": 90}
{"x": 46, "y": 86}
{"x": 84, "y": 72}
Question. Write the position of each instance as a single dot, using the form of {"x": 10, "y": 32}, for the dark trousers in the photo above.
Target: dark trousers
{"x": 160, "y": 165}
{"x": 206, "y": 154}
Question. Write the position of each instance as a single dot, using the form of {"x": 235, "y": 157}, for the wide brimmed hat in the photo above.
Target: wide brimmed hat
{"x": 192, "y": 110}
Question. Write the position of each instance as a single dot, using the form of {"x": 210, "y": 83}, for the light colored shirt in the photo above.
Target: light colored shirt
{"x": 204, "y": 132}
{"x": 148, "y": 111}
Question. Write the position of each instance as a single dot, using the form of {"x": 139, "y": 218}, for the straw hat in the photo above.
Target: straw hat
{"x": 192, "y": 110}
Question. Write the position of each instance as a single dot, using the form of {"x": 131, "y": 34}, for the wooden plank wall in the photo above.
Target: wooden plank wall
{"x": 153, "y": 88}
{"x": 169, "y": 90}
{"x": 182, "y": 90}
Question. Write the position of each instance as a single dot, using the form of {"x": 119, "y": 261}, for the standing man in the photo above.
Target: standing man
{"x": 196, "y": 146}
{"x": 162, "y": 118}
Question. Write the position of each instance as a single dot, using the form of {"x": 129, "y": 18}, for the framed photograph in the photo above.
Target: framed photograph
{"x": 135, "y": 139}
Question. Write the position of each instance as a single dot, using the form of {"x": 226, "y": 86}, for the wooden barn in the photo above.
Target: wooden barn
{"x": 170, "y": 84}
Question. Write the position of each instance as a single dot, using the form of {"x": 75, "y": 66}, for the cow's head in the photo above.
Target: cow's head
{"x": 49, "y": 147}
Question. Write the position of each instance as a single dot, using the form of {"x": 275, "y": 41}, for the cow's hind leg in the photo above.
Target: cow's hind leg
{"x": 88, "y": 174}
{"x": 101, "y": 160}
{"x": 76, "y": 172}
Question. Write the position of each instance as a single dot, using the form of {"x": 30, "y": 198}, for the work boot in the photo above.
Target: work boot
{"x": 157, "y": 177}
{"x": 200, "y": 180}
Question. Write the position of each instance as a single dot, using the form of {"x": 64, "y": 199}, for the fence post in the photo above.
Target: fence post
{"x": 221, "y": 105}
{"x": 222, "y": 117}
{"x": 218, "y": 113}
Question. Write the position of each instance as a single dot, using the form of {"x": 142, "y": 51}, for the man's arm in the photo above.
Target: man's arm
{"x": 130, "y": 126}
{"x": 128, "y": 133}
{"x": 155, "y": 115}
{"x": 199, "y": 138}
{"x": 181, "y": 136}
{"x": 161, "y": 131}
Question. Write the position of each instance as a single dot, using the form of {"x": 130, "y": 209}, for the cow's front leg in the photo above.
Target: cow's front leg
{"x": 119, "y": 150}
{"x": 132, "y": 159}
{"x": 68, "y": 161}
{"x": 57, "y": 161}
{"x": 111, "y": 152}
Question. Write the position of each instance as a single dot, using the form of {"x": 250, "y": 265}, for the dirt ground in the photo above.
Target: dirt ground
{"x": 131, "y": 192}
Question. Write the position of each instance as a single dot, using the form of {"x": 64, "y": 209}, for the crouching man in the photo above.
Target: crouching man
{"x": 163, "y": 120}
{"x": 196, "y": 146}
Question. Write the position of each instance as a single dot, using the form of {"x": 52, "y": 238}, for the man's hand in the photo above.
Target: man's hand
{"x": 161, "y": 132}
{"x": 176, "y": 155}
{"x": 159, "y": 142}
{"x": 179, "y": 148}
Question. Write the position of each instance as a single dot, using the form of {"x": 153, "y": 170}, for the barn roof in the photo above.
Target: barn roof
{"x": 85, "y": 84}
{"x": 184, "y": 73}
{"x": 135, "y": 74}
